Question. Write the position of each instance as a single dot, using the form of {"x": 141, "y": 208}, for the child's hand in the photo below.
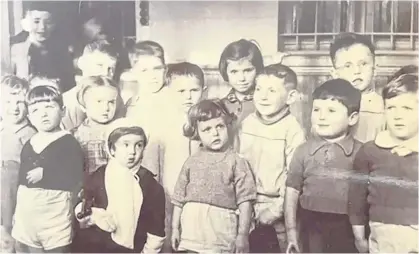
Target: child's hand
{"x": 7, "y": 242}
{"x": 292, "y": 247}
{"x": 267, "y": 217}
{"x": 175, "y": 238}
{"x": 242, "y": 244}
{"x": 35, "y": 175}
{"x": 362, "y": 245}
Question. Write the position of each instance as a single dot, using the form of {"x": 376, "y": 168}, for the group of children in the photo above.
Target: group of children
{"x": 153, "y": 166}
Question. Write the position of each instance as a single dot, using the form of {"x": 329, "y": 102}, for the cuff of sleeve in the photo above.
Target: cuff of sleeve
{"x": 153, "y": 244}
{"x": 177, "y": 203}
{"x": 248, "y": 198}
{"x": 293, "y": 184}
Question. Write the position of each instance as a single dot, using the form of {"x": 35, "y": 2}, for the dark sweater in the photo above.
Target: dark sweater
{"x": 151, "y": 219}
{"x": 387, "y": 183}
{"x": 62, "y": 161}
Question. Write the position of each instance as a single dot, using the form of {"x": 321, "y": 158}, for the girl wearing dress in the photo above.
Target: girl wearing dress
{"x": 215, "y": 190}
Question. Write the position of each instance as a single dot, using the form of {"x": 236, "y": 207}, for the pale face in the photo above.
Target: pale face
{"x": 13, "y": 107}
{"x": 213, "y": 133}
{"x": 270, "y": 95}
{"x": 186, "y": 91}
{"x": 45, "y": 116}
{"x": 100, "y": 103}
{"x": 241, "y": 75}
{"x": 129, "y": 150}
{"x": 401, "y": 114}
{"x": 356, "y": 65}
{"x": 40, "y": 25}
{"x": 329, "y": 118}
{"x": 98, "y": 64}
{"x": 149, "y": 72}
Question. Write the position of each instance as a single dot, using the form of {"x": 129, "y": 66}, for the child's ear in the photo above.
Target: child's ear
{"x": 26, "y": 24}
{"x": 334, "y": 73}
{"x": 353, "y": 118}
{"x": 81, "y": 62}
{"x": 292, "y": 96}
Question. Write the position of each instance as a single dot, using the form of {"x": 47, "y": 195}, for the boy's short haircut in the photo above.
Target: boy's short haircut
{"x": 145, "y": 48}
{"x": 238, "y": 50}
{"x": 119, "y": 132}
{"x": 282, "y": 72}
{"x": 101, "y": 46}
{"x": 19, "y": 85}
{"x": 340, "y": 90}
{"x": 185, "y": 69}
{"x": 53, "y": 7}
{"x": 345, "y": 40}
{"x": 87, "y": 83}
{"x": 44, "y": 94}
{"x": 407, "y": 69}
{"x": 406, "y": 83}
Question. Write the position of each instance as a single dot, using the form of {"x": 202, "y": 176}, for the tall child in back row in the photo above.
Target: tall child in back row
{"x": 239, "y": 64}
{"x": 353, "y": 58}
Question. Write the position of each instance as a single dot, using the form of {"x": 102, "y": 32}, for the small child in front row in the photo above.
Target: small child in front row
{"x": 319, "y": 174}
{"x": 127, "y": 204}
{"x": 50, "y": 177}
{"x": 387, "y": 176}
{"x": 213, "y": 184}
{"x": 98, "y": 97}
{"x": 15, "y": 131}
{"x": 268, "y": 139}
{"x": 353, "y": 58}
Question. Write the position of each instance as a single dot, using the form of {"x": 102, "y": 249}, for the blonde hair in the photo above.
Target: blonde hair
{"x": 94, "y": 81}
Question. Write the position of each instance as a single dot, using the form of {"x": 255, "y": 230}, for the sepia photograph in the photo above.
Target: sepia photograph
{"x": 205, "y": 126}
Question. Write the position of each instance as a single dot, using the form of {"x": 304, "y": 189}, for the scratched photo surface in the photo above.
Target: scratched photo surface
{"x": 209, "y": 126}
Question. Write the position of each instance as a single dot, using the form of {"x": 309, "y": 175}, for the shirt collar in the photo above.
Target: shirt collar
{"x": 346, "y": 144}
{"x": 231, "y": 97}
{"x": 401, "y": 148}
{"x": 283, "y": 114}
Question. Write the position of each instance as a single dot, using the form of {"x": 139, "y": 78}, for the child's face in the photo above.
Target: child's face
{"x": 186, "y": 90}
{"x": 330, "y": 119}
{"x": 213, "y": 133}
{"x": 149, "y": 71}
{"x": 13, "y": 107}
{"x": 241, "y": 74}
{"x": 45, "y": 115}
{"x": 129, "y": 150}
{"x": 40, "y": 25}
{"x": 98, "y": 64}
{"x": 401, "y": 114}
{"x": 356, "y": 65}
{"x": 270, "y": 95}
{"x": 100, "y": 103}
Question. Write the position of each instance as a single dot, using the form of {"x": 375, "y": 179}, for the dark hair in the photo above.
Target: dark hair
{"x": 345, "y": 40}
{"x": 145, "y": 48}
{"x": 340, "y": 90}
{"x": 119, "y": 132}
{"x": 185, "y": 69}
{"x": 238, "y": 50}
{"x": 102, "y": 46}
{"x": 282, "y": 72}
{"x": 15, "y": 83}
{"x": 44, "y": 94}
{"x": 406, "y": 83}
{"x": 407, "y": 69}
{"x": 204, "y": 111}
